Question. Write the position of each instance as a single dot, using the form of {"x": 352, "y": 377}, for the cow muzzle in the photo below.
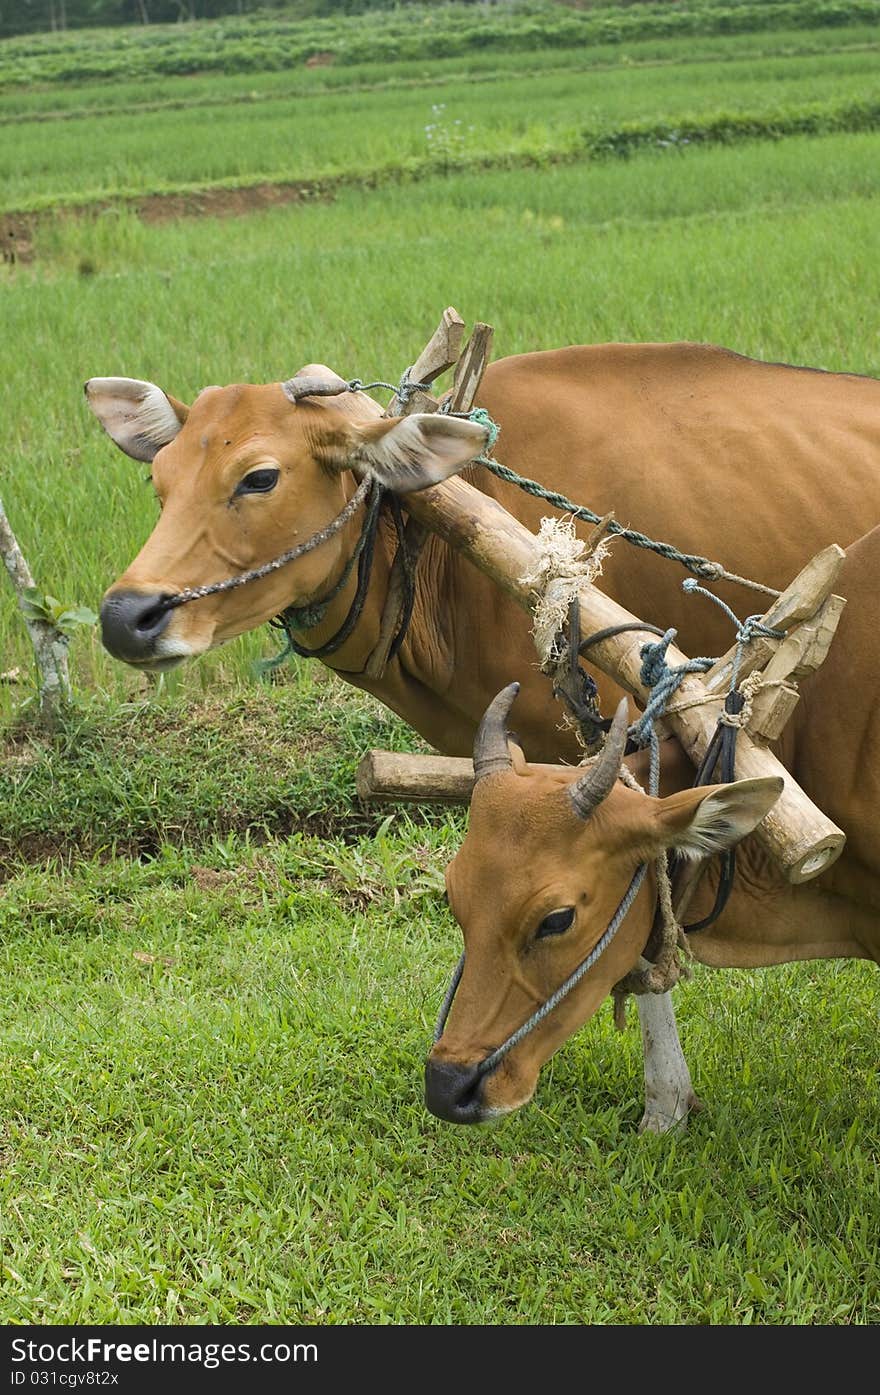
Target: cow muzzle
{"x": 454, "y": 1092}
{"x": 133, "y": 628}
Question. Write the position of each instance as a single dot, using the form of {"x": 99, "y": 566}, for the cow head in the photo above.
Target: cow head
{"x": 547, "y": 860}
{"x": 243, "y": 475}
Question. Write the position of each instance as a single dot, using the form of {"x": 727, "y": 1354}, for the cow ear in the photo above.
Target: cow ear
{"x": 411, "y": 453}
{"x": 138, "y": 416}
{"x": 699, "y": 822}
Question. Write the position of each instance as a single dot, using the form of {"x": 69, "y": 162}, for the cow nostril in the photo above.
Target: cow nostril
{"x": 131, "y": 622}
{"x": 453, "y": 1092}
{"x": 154, "y": 620}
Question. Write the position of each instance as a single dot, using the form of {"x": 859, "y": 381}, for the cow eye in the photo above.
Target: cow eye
{"x": 556, "y": 923}
{"x": 259, "y": 481}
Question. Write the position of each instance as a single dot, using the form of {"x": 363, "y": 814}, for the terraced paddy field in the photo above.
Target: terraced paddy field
{"x": 369, "y": 133}
{"x": 220, "y": 972}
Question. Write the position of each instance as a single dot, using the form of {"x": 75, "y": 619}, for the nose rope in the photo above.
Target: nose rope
{"x": 661, "y": 681}
{"x": 498, "y": 1055}
{"x": 198, "y": 593}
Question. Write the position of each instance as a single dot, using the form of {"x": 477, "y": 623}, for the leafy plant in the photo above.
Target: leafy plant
{"x": 447, "y": 140}
{"x": 39, "y": 605}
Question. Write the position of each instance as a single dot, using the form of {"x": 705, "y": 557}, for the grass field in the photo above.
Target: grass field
{"x": 56, "y": 101}
{"x": 220, "y": 974}
{"x": 212, "y": 1070}
{"x": 546, "y": 117}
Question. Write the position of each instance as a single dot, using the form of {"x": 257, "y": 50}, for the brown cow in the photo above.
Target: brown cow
{"x": 756, "y": 465}
{"x": 549, "y": 856}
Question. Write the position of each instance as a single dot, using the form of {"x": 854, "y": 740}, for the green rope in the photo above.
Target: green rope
{"x": 482, "y": 418}
{"x": 692, "y": 561}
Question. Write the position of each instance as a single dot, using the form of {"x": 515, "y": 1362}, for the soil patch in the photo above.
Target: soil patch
{"x": 17, "y": 229}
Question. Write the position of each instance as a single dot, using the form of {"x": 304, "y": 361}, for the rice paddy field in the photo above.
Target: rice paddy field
{"x": 220, "y": 972}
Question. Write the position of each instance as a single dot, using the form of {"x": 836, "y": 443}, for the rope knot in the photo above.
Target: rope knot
{"x": 709, "y": 571}
{"x": 752, "y": 626}
{"x": 662, "y": 681}
{"x": 482, "y": 418}
{"x": 406, "y": 387}
{"x": 653, "y": 657}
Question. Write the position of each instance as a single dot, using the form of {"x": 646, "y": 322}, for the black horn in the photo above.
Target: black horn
{"x": 589, "y": 791}
{"x": 490, "y": 743}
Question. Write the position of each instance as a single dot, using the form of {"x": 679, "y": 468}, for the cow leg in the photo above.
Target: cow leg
{"x": 669, "y": 1095}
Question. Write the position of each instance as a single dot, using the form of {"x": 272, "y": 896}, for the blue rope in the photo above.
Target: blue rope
{"x": 746, "y": 630}
{"x": 662, "y": 681}
{"x": 632, "y": 891}
{"x": 574, "y": 978}
{"x": 656, "y": 675}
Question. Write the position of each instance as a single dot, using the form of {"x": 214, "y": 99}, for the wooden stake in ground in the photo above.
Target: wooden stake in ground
{"x": 49, "y": 643}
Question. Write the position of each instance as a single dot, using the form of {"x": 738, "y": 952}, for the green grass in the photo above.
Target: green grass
{"x": 707, "y": 245}
{"x": 211, "y": 1103}
{"x": 130, "y": 777}
{"x": 543, "y": 117}
{"x": 88, "y": 99}
{"x": 210, "y": 1078}
{"x": 281, "y": 40}
{"x": 219, "y": 973}
{"x": 276, "y": 42}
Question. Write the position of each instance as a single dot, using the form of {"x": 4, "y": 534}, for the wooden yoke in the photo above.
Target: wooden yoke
{"x": 800, "y": 838}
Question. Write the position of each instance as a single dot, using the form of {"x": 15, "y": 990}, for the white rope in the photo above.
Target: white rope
{"x": 750, "y": 687}
{"x": 563, "y": 565}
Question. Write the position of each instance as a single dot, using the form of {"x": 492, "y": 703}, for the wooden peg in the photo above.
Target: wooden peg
{"x": 471, "y": 367}
{"x": 439, "y": 354}
{"x": 802, "y": 599}
{"x": 771, "y": 709}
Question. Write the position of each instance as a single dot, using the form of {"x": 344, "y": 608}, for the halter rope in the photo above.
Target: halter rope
{"x": 198, "y": 593}
{"x": 497, "y": 1056}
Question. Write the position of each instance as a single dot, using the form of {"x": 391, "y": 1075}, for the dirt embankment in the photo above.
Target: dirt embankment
{"x": 17, "y": 229}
